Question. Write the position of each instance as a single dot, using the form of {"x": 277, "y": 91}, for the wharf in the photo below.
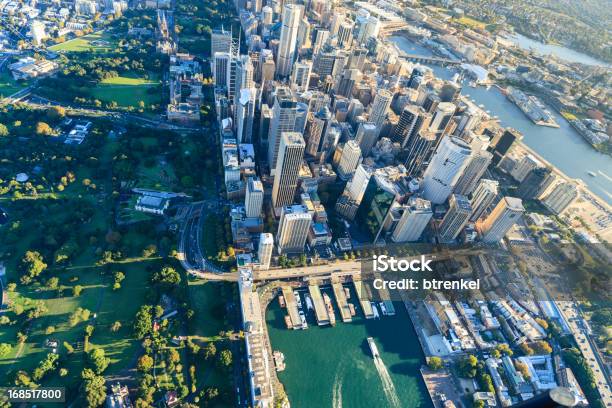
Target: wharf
{"x": 345, "y": 311}
{"x": 319, "y": 306}
{"x": 292, "y": 309}
{"x": 385, "y": 297}
{"x": 366, "y": 306}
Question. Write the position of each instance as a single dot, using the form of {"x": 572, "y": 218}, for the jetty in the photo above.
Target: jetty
{"x": 385, "y": 297}
{"x": 319, "y": 306}
{"x": 366, "y": 306}
{"x": 345, "y": 311}
{"x": 292, "y": 309}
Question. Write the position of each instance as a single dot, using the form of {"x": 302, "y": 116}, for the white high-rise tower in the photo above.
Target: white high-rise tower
{"x": 290, "y": 158}
{"x": 445, "y": 169}
{"x": 254, "y": 197}
{"x": 292, "y": 15}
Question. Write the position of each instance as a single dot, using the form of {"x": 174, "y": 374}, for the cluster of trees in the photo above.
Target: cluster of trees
{"x": 581, "y": 369}
{"x": 471, "y": 367}
{"x": 537, "y": 348}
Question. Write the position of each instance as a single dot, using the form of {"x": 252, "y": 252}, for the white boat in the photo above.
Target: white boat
{"x": 297, "y": 299}
{"x": 383, "y": 309}
{"x": 375, "y": 310}
{"x": 309, "y": 304}
{"x": 373, "y": 348}
{"x": 303, "y": 319}
{"x": 592, "y": 174}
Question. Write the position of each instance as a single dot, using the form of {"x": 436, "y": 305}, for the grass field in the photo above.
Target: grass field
{"x": 8, "y": 85}
{"x": 127, "y": 91}
{"x": 97, "y": 42}
{"x": 471, "y": 23}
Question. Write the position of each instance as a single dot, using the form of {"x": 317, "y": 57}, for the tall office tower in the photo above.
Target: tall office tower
{"x": 37, "y": 30}
{"x": 484, "y": 195}
{"x": 329, "y": 142}
{"x": 267, "y": 15}
{"x": 221, "y": 69}
{"x": 415, "y": 217}
{"x": 357, "y": 58}
{"x": 561, "y": 196}
{"x": 300, "y": 77}
{"x": 505, "y": 214}
{"x": 349, "y": 160}
{"x": 441, "y": 117}
{"x": 369, "y": 29}
{"x": 366, "y": 136}
{"x": 220, "y": 41}
{"x": 293, "y": 229}
{"x": 254, "y": 197}
{"x": 284, "y": 114}
{"x": 316, "y": 130}
{"x": 445, "y": 169}
{"x": 357, "y": 186}
{"x": 381, "y": 104}
{"x": 256, "y": 6}
{"x": 524, "y": 167}
{"x": 418, "y": 149}
{"x": 303, "y": 36}
{"x": 290, "y": 158}
{"x": 449, "y": 91}
{"x": 268, "y": 70}
{"x": 320, "y": 40}
{"x": 473, "y": 171}
{"x": 245, "y": 114}
{"x": 456, "y": 217}
{"x": 292, "y": 15}
{"x": 337, "y": 19}
{"x": 417, "y": 72}
{"x": 431, "y": 101}
{"x": 502, "y": 143}
{"x": 345, "y": 34}
{"x": 536, "y": 182}
{"x": 407, "y": 121}
{"x": 264, "y": 251}
{"x": 301, "y": 117}
{"x": 467, "y": 122}
{"x": 317, "y": 101}
{"x": 355, "y": 110}
{"x": 347, "y": 82}
{"x": 244, "y": 73}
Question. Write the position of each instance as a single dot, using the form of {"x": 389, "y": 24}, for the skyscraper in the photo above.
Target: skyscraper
{"x": 315, "y": 131}
{"x": 264, "y": 252}
{"x": 349, "y": 160}
{"x": 502, "y": 143}
{"x": 349, "y": 201}
{"x": 366, "y": 136}
{"x": 245, "y": 113}
{"x": 505, "y": 214}
{"x": 220, "y": 41}
{"x": 445, "y": 169}
{"x": 535, "y": 183}
{"x": 284, "y": 114}
{"x": 320, "y": 40}
{"x": 368, "y": 29}
{"x": 221, "y": 68}
{"x": 415, "y": 217}
{"x": 418, "y": 149}
{"x": 381, "y": 104}
{"x": 483, "y": 197}
{"x": 300, "y": 77}
{"x": 290, "y": 158}
{"x": 473, "y": 171}
{"x": 293, "y": 229}
{"x": 347, "y": 82}
{"x": 455, "y": 219}
{"x": 254, "y": 197}
{"x": 345, "y": 34}
{"x": 441, "y": 117}
{"x": 407, "y": 121}
{"x": 561, "y": 196}
{"x": 291, "y": 17}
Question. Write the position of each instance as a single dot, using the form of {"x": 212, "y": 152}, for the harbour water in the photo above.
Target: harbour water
{"x": 563, "y": 147}
{"x": 333, "y": 366}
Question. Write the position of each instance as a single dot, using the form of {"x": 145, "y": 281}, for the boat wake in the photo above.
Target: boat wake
{"x": 387, "y": 383}
{"x": 337, "y": 390}
{"x": 605, "y": 175}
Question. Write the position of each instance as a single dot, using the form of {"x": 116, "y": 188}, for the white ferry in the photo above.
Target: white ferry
{"x": 375, "y": 310}
{"x": 309, "y": 304}
{"x": 383, "y": 309}
{"x": 303, "y": 319}
{"x": 297, "y": 299}
{"x": 373, "y": 348}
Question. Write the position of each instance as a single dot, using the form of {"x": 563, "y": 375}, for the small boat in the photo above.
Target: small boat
{"x": 309, "y": 304}
{"x": 303, "y": 319}
{"x": 375, "y": 310}
{"x": 352, "y": 309}
{"x": 347, "y": 293}
{"x": 383, "y": 309}
{"x": 281, "y": 301}
{"x": 373, "y": 348}
{"x": 297, "y": 299}
{"x": 330, "y": 309}
{"x": 288, "y": 322}
{"x": 592, "y": 174}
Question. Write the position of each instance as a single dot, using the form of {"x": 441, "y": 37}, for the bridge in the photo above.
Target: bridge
{"x": 445, "y": 62}
{"x": 389, "y": 27}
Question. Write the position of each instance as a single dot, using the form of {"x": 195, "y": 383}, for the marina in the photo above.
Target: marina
{"x": 366, "y": 306}
{"x": 294, "y": 321}
{"x": 345, "y": 311}
{"x": 532, "y": 107}
{"x": 319, "y": 306}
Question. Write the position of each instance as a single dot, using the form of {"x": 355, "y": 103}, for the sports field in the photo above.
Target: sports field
{"x": 127, "y": 91}
{"x": 98, "y": 42}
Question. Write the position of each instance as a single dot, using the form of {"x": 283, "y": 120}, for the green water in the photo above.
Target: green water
{"x": 333, "y": 366}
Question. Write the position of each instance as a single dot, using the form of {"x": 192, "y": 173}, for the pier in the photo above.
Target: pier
{"x": 292, "y": 309}
{"x": 345, "y": 311}
{"x": 366, "y": 306}
{"x": 319, "y": 306}
{"x": 385, "y": 298}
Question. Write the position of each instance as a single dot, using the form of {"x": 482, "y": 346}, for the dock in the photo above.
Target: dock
{"x": 292, "y": 309}
{"x": 345, "y": 311}
{"x": 385, "y": 298}
{"x": 366, "y": 306}
{"x": 319, "y": 306}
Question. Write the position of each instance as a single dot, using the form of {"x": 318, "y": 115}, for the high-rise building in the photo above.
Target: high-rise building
{"x": 315, "y": 131}
{"x": 502, "y": 143}
{"x": 536, "y": 182}
{"x": 303, "y": 36}
{"x": 244, "y": 73}
{"x": 418, "y": 150}
{"x": 254, "y": 197}
{"x": 407, "y": 121}
{"x": 473, "y": 171}
{"x": 290, "y": 158}
{"x": 366, "y": 136}
{"x": 449, "y": 91}
{"x": 245, "y": 113}
{"x": 445, "y": 169}
{"x": 37, "y": 30}
{"x": 222, "y": 62}
{"x": 357, "y": 58}
{"x": 293, "y": 229}
{"x": 483, "y": 197}
{"x": 368, "y": 29}
{"x": 561, "y": 196}
{"x": 284, "y": 114}
{"x": 441, "y": 117}
{"x": 456, "y": 217}
{"x": 267, "y": 15}
{"x": 220, "y": 41}
{"x": 381, "y": 104}
{"x": 300, "y": 77}
{"x": 264, "y": 252}
{"x": 291, "y": 17}
{"x": 505, "y": 214}
{"x": 320, "y": 40}
{"x": 345, "y": 34}
{"x": 349, "y": 160}
{"x": 349, "y": 201}
{"x": 348, "y": 80}
{"x": 415, "y": 217}
{"x": 524, "y": 167}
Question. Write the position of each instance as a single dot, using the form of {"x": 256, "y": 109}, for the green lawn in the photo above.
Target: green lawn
{"x": 98, "y": 42}
{"x": 8, "y": 85}
{"x": 127, "y": 91}
{"x": 471, "y": 23}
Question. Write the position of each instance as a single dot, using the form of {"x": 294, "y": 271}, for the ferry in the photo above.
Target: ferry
{"x": 592, "y": 174}
{"x": 330, "y": 309}
{"x": 375, "y": 310}
{"x": 309, "y": 304}
{"x": 373, "y": 348}
{"x": 347, "y": 293}
{"x": 303, "y": 319}
{"x": 281, "y": 301}
{"x": 297, "y": 299}
{"x": 383, "y": 309}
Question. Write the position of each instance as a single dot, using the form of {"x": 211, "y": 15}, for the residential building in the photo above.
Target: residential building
{"x": 505, "y": 214}
{"x": 456, "y": 218}
{"x": 293, "y": 229}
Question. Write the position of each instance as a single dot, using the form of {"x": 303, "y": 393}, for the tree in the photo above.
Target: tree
{"x": 116, "y": 326}
{"x": 210, "y": 350}
{"x": 98, "y": 361}
{"x": 523, "y": 369}
{"x": 435, "y": 363}
{"x": 225, "y": 358}
{"x": 56, "y": 112}
{"x": 143, "y": 322}
{"x": 76, "y": 290}
{"x": 3, "y": 130}
{"x": 52, "y": 282}
{"x": 145, "y": 363}
{"x": 167, "y": 276}
{"x": 44, "y": 129}
{"x": 479, "y": 404}
{"x": 45, "y": 366}
{"x": 528, "y": 351}
{"x": 542, "y": 347}
{"x": 32, "y": 265}
{"x": 504, "y": 348}
{"x": 5, "y": 349}
{"x": 94, "y": 387}
{"x": 467, "y": 366}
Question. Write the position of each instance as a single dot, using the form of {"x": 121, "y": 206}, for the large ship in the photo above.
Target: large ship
{"x": 532, "y": 107}
{"x": 373, "y": 348}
